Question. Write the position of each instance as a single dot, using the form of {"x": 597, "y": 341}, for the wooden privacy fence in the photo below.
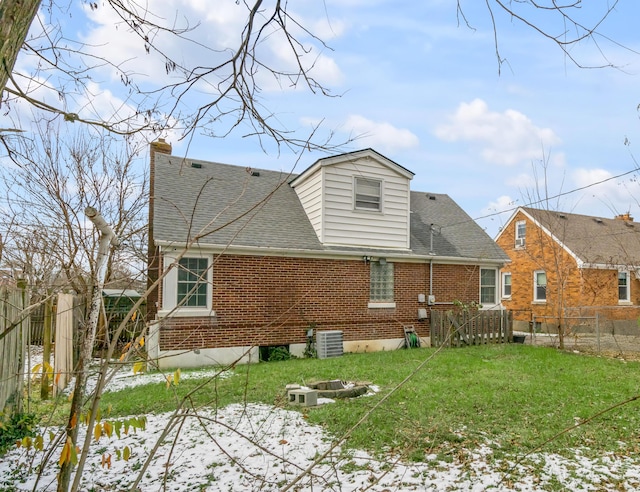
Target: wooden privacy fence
{"x": 470, "y": 328}
{"x": 13, "y": 330}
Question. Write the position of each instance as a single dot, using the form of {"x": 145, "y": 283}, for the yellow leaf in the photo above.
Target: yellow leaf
{"x": 133, "y": 316}
{"x": 66, "y": 453}
{"x": 169, "y": 379}
{"x": 74, "y": 421}
{"x": 74, "y": 455}
{"x": 97, "y": 431}
{"x": 126, "y": 453}
{"x": 176, "y": 377}
{"x": 98, "y": 415}
{"x": 26, "y": 442}
{"x": 141, "y": 342}
{"x": 122, "y": 357}
{"x": 138, "y": 367}
{"x": 107, "y": 428}
{"x": 39, "y": 442}
{"x": 118, "y": 426}
{"x": 36, "y": 368}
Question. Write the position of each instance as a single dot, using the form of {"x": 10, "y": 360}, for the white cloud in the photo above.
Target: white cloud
{"x": 496, "y": 213}
{"x": 379, "y": 135}
{"x": 505, "y": 138}
{"x": 617, "y": 195}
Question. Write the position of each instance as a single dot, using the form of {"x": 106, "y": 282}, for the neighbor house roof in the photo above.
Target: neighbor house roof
{"x": 221, "y": 204}
{"x": 593, "y": 240}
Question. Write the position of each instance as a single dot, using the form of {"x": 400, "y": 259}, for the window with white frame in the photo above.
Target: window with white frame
{"x": 488, "y": 286}
{"x": 368, "y": 194}
{"x": 521, "y": 233}
{"x": 623, "y": 287}
{"x": 540, "y": 286}
{"x": 187, "y": 286}
{"x": 381, "y": 282}
{"x": 506, "y": 284}
{"x": 192, "y": 282}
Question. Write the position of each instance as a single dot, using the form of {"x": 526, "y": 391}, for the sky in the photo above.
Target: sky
{"x": 420, "y": 83}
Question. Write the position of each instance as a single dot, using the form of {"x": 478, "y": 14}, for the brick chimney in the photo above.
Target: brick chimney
{"x": 160, "y": 146}
{"x": 626, "y": 217}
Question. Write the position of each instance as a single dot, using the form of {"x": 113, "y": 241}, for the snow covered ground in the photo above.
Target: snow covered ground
{"x": 262, "y": 448}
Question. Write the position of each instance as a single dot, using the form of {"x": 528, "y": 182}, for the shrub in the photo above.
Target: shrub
{"x": 14, "y": 428}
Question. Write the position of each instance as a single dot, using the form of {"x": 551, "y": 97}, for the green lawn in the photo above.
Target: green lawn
{"x": 511, "y": 397}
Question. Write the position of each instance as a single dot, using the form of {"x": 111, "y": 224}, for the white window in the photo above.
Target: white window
{"x": 521, "y": 233}
{"x": 381, "y": 284}
{"x": 540, "y": 286}
{"x": 623, "y": 287}
{"x": 192, "y": 282}
{"x": 506, "y": 285}
{"x": 368, "y": 194}
{"x": 187, "y": 286}
{"x": 488, "y": 286}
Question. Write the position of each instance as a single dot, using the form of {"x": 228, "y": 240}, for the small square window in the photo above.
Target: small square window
{"x": 368, "y": 194}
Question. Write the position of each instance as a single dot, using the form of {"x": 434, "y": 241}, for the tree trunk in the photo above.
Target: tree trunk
{"x": 16, "y": 17}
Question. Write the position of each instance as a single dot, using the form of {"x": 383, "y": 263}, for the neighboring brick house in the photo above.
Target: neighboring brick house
{"x": 567, "y": 269}
{"x": 345, "y": 245}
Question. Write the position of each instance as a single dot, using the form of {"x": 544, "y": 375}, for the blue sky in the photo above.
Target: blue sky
{"x": 427, "y": 91}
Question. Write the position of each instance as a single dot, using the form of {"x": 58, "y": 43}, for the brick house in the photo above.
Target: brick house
{"x": 568, "y": 269}
{"x": 256, "y": 258}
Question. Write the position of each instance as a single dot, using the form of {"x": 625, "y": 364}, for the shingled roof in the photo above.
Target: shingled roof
{"x": 221, "y": 204}
{"x": 593, "y": 240}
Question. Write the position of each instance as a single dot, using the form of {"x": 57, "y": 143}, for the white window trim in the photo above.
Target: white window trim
{"x": 520, "y": 241}
{"x": 495, "y": 288}
{"x": 502, "y": 284}
{"x": 170, "y": 290}
{"x": 535, "y": 287}
{"x": 628, "y": 298}
{"x": 370, "y": 210}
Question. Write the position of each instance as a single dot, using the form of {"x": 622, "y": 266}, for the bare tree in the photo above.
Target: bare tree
{"x": 48, "y": 183}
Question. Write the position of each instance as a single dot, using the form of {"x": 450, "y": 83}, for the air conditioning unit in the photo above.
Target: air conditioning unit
{"x": 520, "y": 242}
{"x": 329, "y": 344}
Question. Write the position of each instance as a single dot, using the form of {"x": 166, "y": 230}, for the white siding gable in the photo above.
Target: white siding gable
{"x": 327, "y": 193}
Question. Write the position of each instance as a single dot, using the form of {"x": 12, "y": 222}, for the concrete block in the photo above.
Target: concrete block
{"x": 304, "y": 397}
